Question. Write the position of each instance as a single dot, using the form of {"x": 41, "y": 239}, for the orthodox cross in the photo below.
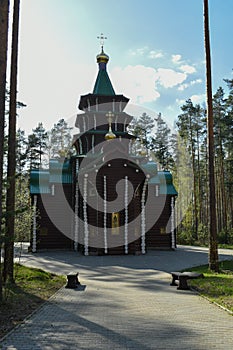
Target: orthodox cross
{"x": 109, "y": 116}
{"x": 101, "y": 39}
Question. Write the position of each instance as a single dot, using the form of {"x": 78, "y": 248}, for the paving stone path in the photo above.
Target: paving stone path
{"x": 123, "y": 303}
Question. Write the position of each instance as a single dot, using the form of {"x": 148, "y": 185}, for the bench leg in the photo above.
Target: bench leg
{"x": 174, "y": 279}
{"x": 77, "y": 280}
{"x": 183, "y": 285}
{"x": 72, "y": 281}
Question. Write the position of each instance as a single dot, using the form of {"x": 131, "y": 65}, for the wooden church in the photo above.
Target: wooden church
{"x": 105, "y": 199}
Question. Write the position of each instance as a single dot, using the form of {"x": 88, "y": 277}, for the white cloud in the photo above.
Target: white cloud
{"x": 176, "y": 58}
{"x": 188, "y": 69}
{"x": 197, "y": 81}
{"x": 138, "y": 52}
{"x": 136, "y": 82}
{"x": 198, "y": 98}
{"x": 155, "y": 54}
{"x": 184, "y": 86}
{"x": 180, "y": 102}
{"x": 169, "y": 78}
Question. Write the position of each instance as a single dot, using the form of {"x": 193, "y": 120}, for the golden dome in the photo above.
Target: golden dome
{"x": 102, "y": 57}
{"x": 143, "y": 152}
{"x": 110, "y": 135}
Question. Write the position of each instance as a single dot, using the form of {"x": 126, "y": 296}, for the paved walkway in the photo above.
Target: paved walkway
{"x": 124, "y": 302}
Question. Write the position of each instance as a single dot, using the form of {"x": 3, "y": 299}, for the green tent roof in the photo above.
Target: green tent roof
{"x": 103, "y": 85}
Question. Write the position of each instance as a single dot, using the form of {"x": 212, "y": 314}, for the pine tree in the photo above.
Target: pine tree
{"x": 142, "y": 128}
{"x": 38, "y": 147}
{"x": 21, "y": 151}
{"x": 160, "y": 144}
{"x": 187, "y": 127}
{"x": 213, "y": 245}
{"x": 60, "y": 140}
{"x": 4, "y": 20}
{"x": 8, "y": 272}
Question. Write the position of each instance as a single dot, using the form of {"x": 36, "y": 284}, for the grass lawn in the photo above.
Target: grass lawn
{"x": 32, "y": 287}
{"x": 217, "y": 287}
{"x": 225, "y": 246}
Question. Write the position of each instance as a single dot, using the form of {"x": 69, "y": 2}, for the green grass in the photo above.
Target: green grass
{"x": 225, "y": 246}
{"x": 32, "y": 287}
{"x": 217, "y": 287}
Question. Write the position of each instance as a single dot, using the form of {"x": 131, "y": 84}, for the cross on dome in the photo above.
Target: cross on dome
{"x": 101, "y": 39}
{"x": 109, "y": 116}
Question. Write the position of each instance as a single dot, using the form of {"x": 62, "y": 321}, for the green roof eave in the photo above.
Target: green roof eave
{"x": 168, "y": 189}
{"x": 154, "y": 180}
{"x": 39, "y": 181}
{"x": 39, "y": 189}
{"x": 60, "y": 172}
{"x": 103, "y": 132}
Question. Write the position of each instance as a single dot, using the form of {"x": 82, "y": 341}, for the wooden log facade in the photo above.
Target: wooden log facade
{"x": 104, "y": 200}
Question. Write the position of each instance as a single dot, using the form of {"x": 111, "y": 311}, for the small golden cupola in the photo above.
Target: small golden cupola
{"x": 102, "y": 57}
{"x": 110, "y": 135}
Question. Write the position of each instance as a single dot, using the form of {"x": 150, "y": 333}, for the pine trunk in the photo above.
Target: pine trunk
{"x": 4, "y": 9}
{"x": 213, "y": 245}
{"x": 11, "y": 164}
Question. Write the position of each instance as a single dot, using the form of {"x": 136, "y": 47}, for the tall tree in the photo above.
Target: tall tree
{"x": 33, "y": 152}
{"x": 160, "y": 144}
{"x": 21, "y": 151}
{"x": 60, "y": 140}
{"x": 213, "y": 245}
{"x": 220, "y": 132}
{"x": 4, "y": 20}
{"x": 11, "y": 164}
{"x": 142, "y": 128}
{"x": 37, "y": 146}
{"x": 190, "y": 125}
{"x": 229, "y": 149}
{"x": 42, "y": 137}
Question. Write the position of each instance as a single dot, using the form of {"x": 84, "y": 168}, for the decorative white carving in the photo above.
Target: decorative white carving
{"x": 34, "y": 224}
{"x": 86, "y": 231}
{"x": 76, "y": 219}
{"x": 53, "y": 190}
{"x": 93, "y": 144}
{"x": 116, "y": 122}
{"x": 143, "y": 218}
{"x": 173, "y": 222}
{"x": 84, "y": 124}
{"x": 105, "y": 215}
{"x": 126, "y": 214}
{"x": 80, "y": 146}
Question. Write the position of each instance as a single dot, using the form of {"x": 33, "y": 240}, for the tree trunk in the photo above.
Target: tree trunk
{"x": 213, "y": 245}
{"x": 4, "y": 9}
{"x": 195, "y": 212}
{"x": 8, "y": 272}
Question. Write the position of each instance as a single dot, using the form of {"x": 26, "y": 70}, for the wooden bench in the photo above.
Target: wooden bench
{"x": 72, "y": 280}
{"x": 183, "y": 277}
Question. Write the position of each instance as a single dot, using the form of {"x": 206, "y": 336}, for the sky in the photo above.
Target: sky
{"x": 156, "y": 51}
